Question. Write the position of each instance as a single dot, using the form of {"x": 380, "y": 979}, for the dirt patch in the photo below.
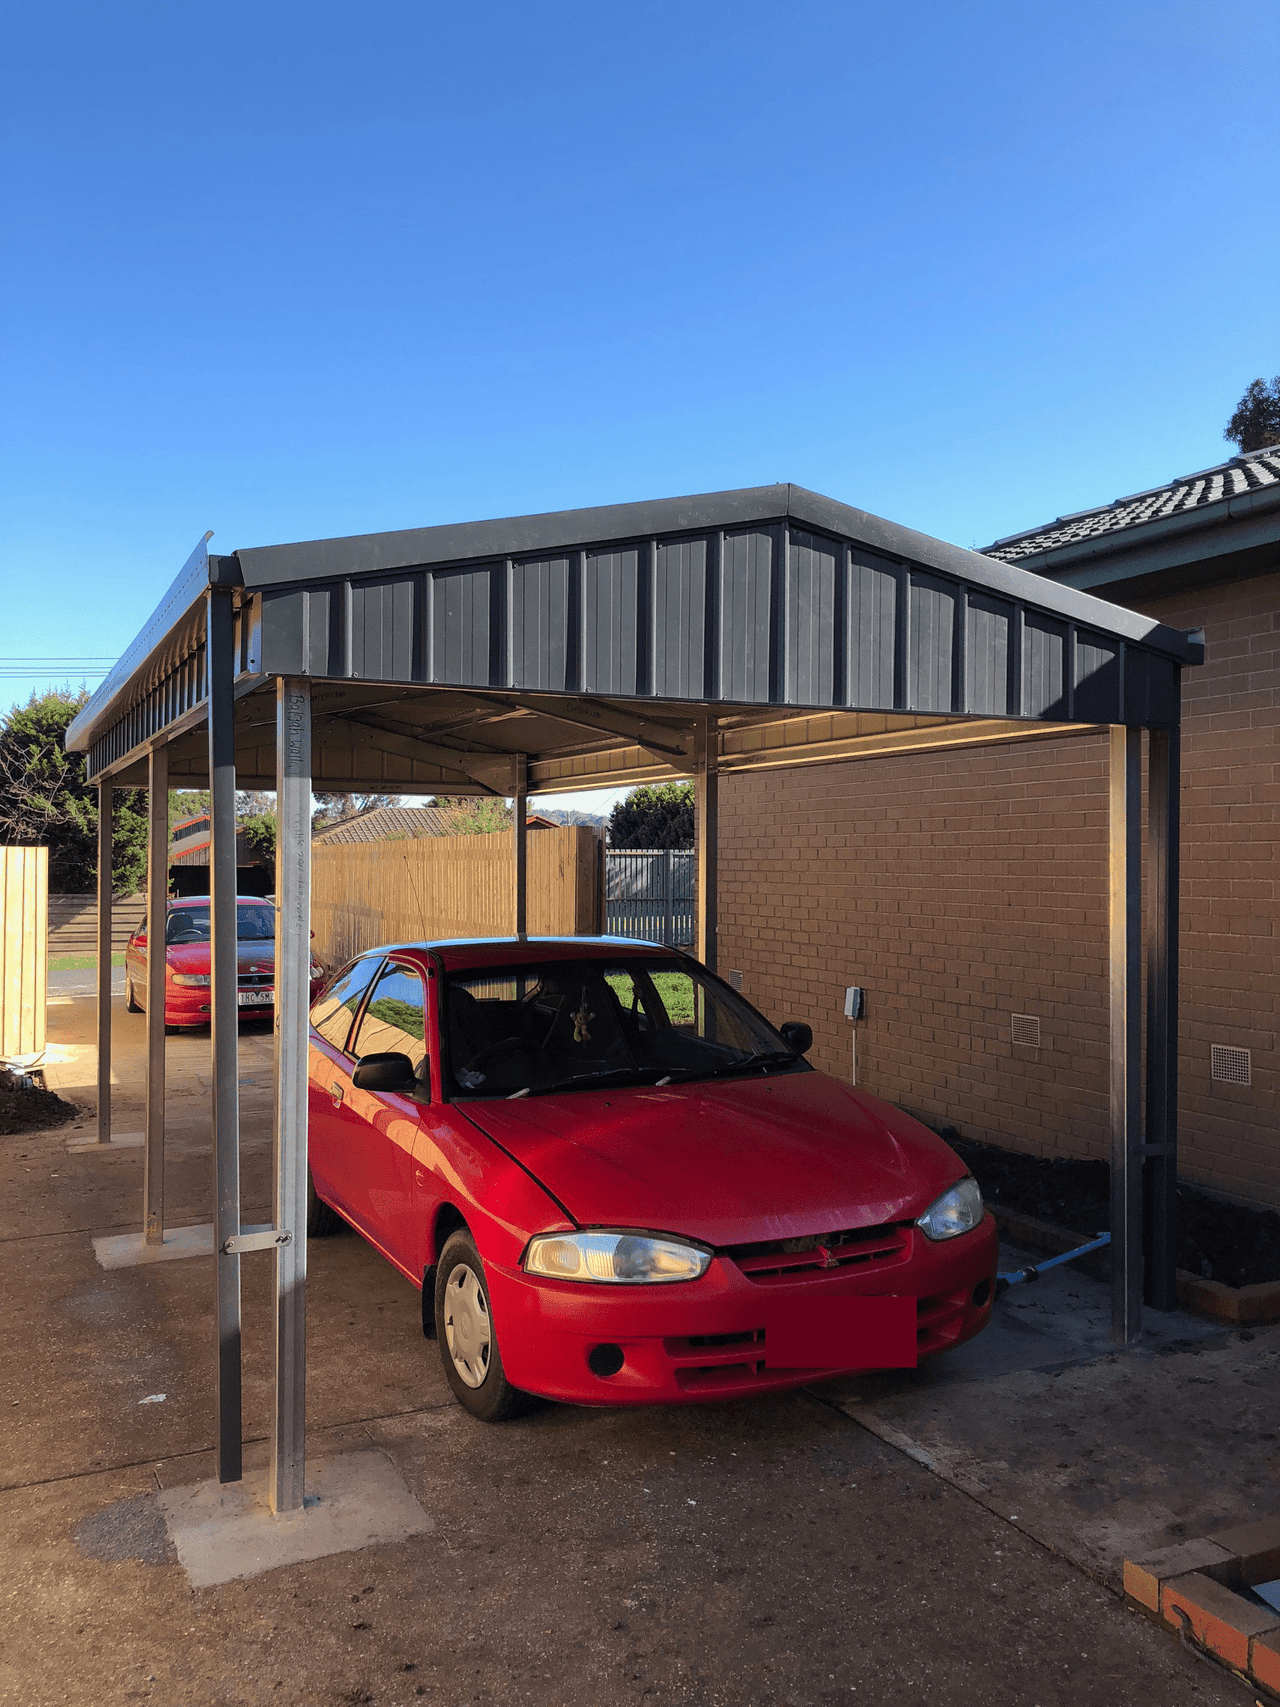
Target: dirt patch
{"x": 28, "y": 1108}
{"x": 1217, "y": 1241}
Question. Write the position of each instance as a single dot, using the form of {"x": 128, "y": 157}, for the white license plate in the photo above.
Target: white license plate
{"x": 257, "y": 998}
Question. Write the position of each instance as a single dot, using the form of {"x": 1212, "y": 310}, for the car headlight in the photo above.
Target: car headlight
{"x": 958, "y": 1210}
{"x": 614, "y": 1257}
{"x": 317, "y": 971}
{"x": 194, "y": 978}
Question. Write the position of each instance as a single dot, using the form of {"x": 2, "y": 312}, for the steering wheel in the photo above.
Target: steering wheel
{"x": 491, "y": 1050}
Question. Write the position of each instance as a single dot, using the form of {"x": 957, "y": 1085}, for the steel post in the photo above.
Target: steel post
{"x": 706, "y": 786}
{"x": 293, "y": 992}
{"x": 157, "y": 916}
{"x": 1125, "y": 915}
{"x": 1160, "y": 1174}
{"x": 106, "y": 815}
{"x": 519, "y": 827}
{"x": 225, "y": 1018}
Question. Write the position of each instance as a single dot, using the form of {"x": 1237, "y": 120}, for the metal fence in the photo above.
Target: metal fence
{"x": 650, "y": 893}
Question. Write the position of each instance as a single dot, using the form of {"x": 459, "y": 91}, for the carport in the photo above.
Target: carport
{"x": 591, "y": 648}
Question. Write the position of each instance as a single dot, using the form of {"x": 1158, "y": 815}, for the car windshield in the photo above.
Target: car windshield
{"x": 255, "y": 922}
{"x": 571, "y": 1024}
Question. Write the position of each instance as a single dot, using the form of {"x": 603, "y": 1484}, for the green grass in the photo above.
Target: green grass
{"x": 79, "y": 962}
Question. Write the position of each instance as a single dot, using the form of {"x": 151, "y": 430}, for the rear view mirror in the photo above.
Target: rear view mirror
{"x": 798, "y": 1035}
{"x": 390, "y": 1072}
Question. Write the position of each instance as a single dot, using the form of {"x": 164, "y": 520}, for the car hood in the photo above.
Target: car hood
{"x": 193, "y": 957}
{"x": 728, "y": 1161}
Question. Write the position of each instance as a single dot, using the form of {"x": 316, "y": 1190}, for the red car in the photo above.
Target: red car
{"x": 617, "y": 1183}
{"x": 186, "y": 958}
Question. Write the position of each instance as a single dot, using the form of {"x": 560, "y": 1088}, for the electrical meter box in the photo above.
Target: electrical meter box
{"x": 854, "y": 1001}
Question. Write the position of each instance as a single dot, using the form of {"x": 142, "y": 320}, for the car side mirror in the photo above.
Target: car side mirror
{"x": 390, "y": 1072}
{"x": 798, "y": 1035}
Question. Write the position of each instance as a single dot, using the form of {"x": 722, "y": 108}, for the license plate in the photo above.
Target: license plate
{"x": 841, "y": 1333}
{"x": 257, "y": 998}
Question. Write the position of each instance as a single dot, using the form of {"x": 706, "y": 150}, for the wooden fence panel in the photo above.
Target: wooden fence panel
{"x": 24, "y": 955}
{"x": 73, "y": 922}
{"x": 416, "y": 889}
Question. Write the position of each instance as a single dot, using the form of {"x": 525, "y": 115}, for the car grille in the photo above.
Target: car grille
{"x": 256, "y": 980}
{"x": 938, "y": 1318}
{"x": 778, "y": 1261}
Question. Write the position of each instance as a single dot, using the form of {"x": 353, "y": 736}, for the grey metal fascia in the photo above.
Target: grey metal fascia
{"x": 174, "y": 611}
{"x": 999, "y": 578}
{"x": 507, "y": 536}
{"x": 1239, "y": 506}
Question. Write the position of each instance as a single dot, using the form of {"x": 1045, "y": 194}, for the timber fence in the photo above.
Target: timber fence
{"x": 416, "y": 889}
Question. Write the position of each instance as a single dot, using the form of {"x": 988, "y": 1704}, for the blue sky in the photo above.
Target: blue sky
{"x": 291, "y": 271}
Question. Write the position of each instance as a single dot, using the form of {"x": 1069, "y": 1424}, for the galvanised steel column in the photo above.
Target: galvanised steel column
{"x": 293, "y": 991}
{"x": 157, "y": 911}
{"x": 224, "y": 1018}
{"x": 706, "y": 791}
{"x": 520, "y": 827}
{"x": 106, "y": 814}
{"x": 1125, "y": 912}
{"x": 1160, "y": 1177}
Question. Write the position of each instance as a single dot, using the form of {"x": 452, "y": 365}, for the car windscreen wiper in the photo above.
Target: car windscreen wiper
{"x": 759, "y": 1058}
{"x": 581, "y": 1081}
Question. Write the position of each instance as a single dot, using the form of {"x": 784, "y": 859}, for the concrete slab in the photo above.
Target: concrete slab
{"x": 131, "y": 1250}
{"x": 118, "y": 1141}
{"x": 1100, "y": 1455}
{"x": 222, "y": 1533}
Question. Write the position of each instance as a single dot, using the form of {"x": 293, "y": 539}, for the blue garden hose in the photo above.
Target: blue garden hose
{"x": 1020, "y": 1275}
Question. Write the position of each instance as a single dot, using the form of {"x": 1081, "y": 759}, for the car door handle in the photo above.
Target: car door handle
{"x": 335, "y": 1091}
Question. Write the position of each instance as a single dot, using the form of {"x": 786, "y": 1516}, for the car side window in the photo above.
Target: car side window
{"x": 395, "y": 1019}
{"x": 334, "y": 1012}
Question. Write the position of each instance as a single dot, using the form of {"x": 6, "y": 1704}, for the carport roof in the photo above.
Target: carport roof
{"x": 594, "y": 642}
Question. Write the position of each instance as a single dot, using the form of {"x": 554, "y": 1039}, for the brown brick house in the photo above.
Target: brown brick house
{"x": 967, "y": 892}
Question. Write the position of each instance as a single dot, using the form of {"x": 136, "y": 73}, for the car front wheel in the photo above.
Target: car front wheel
{"x": 131, "y": 1002}
{"x": 467, "y": 1337}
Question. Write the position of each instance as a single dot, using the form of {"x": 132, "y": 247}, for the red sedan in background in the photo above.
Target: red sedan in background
{"x": 617, "y": 1183}
{"x": 186, "y": 955}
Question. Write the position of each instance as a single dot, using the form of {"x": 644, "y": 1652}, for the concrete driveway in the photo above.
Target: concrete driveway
{"x": 947, "y": 1536}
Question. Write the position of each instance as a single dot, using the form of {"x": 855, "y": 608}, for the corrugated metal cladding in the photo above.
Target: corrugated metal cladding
{"x": 758, "y": 615}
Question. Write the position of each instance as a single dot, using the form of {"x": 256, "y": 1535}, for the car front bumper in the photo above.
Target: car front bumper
{"x": 705, "y": 1339}
{"x": 189, "y": 1004}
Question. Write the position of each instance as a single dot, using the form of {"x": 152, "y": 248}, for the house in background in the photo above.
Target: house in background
{"x": 968, "y": 894}
{"x": 389, "y": 823}
{"x": 189, "y": 861}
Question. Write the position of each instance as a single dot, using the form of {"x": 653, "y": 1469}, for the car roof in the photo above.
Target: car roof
{"x": 203, "y": 901}
{"x": 457, "y": 953}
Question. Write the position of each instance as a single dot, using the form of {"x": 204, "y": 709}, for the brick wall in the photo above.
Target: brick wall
{"x": 963, "y": 888}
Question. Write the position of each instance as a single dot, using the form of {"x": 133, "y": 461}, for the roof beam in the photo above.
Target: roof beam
{"x": 666, "y": 740}
{"x": 489, "y": 771}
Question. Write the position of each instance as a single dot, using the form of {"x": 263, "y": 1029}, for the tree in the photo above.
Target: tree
{"x": 660, "y": 815}
{"x": 46, "y": 801}
{"x": 1256, "y": 422}
{"x": 479, "y": 818}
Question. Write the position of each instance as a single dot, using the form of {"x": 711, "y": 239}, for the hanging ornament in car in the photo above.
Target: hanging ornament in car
{"x": 580, "y": 1032}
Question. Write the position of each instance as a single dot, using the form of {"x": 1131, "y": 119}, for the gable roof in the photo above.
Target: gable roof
{"x": 1191, "y": 494}
{"x": 386, "y": 822}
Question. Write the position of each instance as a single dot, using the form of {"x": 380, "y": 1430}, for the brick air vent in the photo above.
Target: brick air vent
{"x": 735, "y": 980}
{"x": 1229, "y": 1066}
{"x": 1026, "y": 1029}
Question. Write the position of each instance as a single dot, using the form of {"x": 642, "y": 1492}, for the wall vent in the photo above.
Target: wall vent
{"x": 1026, "y": 1030}
{"x": 735, "y": 980}
{"x": 1229, "y": 1066}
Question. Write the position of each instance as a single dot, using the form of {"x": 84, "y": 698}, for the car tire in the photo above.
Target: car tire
{"x": 467, "y": 1337}
{"x": 131, "y": 1002}
{"x": 321, "y": 1220}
